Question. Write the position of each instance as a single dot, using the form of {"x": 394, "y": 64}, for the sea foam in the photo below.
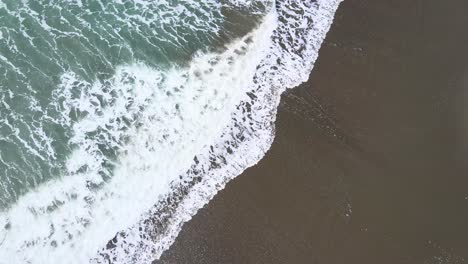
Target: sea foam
{"x": 152, "y": 146}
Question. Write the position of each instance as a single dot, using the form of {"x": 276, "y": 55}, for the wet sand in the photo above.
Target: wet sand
{"x": 369, "y": 161}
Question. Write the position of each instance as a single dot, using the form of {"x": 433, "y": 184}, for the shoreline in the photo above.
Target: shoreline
{"x": 365, "y": 167}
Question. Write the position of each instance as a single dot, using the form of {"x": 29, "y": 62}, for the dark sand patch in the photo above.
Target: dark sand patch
{"x": 369, "y": 162}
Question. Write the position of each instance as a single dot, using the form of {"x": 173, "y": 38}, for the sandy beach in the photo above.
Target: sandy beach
{"x": 369, "y": 160}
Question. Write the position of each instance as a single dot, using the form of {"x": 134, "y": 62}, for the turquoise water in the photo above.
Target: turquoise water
{"x": 120, "y": 119}
{"x": 42, "y": 40}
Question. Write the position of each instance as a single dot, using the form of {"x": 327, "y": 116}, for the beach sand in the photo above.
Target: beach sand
{"x": 369, "y": 160}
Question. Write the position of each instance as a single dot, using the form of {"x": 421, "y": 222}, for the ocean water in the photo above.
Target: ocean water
{"x": 120, "y": 119}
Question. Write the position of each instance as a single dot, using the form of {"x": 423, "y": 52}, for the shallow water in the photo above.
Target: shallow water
{"x": 125, "y": 118}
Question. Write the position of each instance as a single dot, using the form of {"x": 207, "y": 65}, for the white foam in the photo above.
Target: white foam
{"x": 220, "y": 109}
{"x": 250, "y": 137}
{"x": 175, "y": 112}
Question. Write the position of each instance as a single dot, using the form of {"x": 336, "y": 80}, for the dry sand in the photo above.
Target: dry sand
{"x": 369, "y": 161}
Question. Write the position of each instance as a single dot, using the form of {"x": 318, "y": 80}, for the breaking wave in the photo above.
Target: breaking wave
{"x": 149, "y": 144}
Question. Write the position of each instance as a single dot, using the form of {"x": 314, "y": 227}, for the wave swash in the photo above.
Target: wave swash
{"x": 125, "y": 147}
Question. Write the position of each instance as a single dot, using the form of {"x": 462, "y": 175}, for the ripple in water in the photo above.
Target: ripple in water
{"x": 120, "y": 120}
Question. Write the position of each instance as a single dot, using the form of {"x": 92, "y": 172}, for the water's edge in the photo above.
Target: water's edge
{"x": 139, "y": 120}
{"x": 168, "y": 217}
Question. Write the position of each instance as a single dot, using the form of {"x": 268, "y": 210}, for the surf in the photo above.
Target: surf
{"x": 152, "y": 144}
